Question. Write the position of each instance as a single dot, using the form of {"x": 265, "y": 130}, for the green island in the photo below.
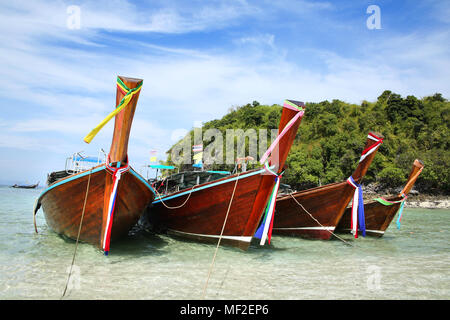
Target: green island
{"x": 332, "y": 134}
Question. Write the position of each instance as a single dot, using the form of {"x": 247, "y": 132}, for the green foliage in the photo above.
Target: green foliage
{"x": 392, "y": 176}
{"x": 332, "y": 134}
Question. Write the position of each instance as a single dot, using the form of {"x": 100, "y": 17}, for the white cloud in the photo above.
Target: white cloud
{"x": 300, "y": 7}
{"x": 262, "y": 39}
{"x": 122, "y": 15}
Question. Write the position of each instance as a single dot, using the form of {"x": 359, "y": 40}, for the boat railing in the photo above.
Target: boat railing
{"x": 78, "y": 162}
{"x": 186, "y": 180}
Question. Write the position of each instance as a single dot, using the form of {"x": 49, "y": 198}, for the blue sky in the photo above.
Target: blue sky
{"x": 197, "y": 59}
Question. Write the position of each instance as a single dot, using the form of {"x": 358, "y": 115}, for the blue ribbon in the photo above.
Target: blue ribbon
{"x": 400, "y": 212}
{"x": 361, "y": 218}
{"x": 259, "y": 232}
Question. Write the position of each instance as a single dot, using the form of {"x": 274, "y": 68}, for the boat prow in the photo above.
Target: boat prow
{"x": 380, "y": 212}
{"x": 101, "y": 204}
{"x": 230, "y": 208}
{"x": 315, "y": 213}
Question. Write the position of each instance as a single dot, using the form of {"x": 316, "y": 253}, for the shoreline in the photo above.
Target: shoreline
{"x": 423, "y": 201}
{"x": 415, "y": 199}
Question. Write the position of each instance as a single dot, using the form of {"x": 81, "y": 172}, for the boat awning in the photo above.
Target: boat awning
{"x": 188, "y": 179}
{"x": 220, "y": 172}
{"x": 160, "y": 166}
{"x": 87, "y": 159}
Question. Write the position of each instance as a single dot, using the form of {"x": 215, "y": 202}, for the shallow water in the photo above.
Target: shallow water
{"x": 411, "y": 263}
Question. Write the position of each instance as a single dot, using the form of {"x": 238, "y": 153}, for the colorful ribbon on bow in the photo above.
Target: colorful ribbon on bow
{"x": 300, "y": 113}
{"x": 390, "y": 203}
{"x": 358, "y": 218}
{"x": 129, "y": 93}
{"x": 366, "y": 152}
{"x": 265, "y": 229}
{"x": 117, "y": 172}
{"x": 400, "y": 213}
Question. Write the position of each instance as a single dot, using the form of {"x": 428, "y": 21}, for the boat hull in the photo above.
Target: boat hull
{"x": 315, "y": 213}
{"x": 378, "y": 217}
{"x": 63, "y": 204}
{"x": 230, "y": 209}
{"x": 323, "y": 203}
{"x": 202, "y": 216}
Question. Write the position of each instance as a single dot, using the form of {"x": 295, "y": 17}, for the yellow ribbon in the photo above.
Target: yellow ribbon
{"x": 123, "y": 104}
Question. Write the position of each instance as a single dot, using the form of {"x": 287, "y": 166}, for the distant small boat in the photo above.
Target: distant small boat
{"x": 380, "y": 212}
{"x": 111, "y": 196}
{"x": 200, "y": 212}
{"x": 315, "y": 213}
{"x": 29, "y": 186}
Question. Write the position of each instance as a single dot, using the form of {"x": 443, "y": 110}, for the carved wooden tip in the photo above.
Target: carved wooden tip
{"x": 130, "y": 82}
{"x": 297, "y": 103}
{"x": 377, "y": 134}
{"x": 418, "y": 163}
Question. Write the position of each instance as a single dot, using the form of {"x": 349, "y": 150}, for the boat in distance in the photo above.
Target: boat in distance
{"x": 25, "y": 186}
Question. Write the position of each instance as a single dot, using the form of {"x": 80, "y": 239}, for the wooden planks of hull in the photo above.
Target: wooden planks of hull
{"x": 315, "y": 213}
{"x": 63, "y": 205}
{"x": 203, "y": 215}
{"x": 379, "y": 216}
{"x": 323, "y": 203}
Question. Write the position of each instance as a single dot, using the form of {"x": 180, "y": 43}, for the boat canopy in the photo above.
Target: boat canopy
{"x": 188, "y": 179}
{"x": 88, "y": 159}
{"x": 161, "y": 166}
{"x": 77, "y": 162}
{"x": 220, "y": 172}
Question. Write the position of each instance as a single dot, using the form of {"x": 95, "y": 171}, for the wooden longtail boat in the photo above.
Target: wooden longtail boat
{"x": 380, "y": 212}
{"x": 239, "y": 200}
{"x": 315, "y": 213}
{"x": 110, "y": 197}
{"x": 27, "y": 186}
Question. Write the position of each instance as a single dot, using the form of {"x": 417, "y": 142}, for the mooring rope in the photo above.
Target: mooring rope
{"x": 78, "y": 236}
{"x": 177, "y": 207}
{"x": 312, "y": 217}
{"x": 220, "y": 237}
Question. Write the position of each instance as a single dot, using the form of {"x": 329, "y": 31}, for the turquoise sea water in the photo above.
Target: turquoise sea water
{"x": 411, "y": 263}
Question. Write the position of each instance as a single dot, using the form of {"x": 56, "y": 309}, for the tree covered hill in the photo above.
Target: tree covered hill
{"x": 332, "y": 135}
